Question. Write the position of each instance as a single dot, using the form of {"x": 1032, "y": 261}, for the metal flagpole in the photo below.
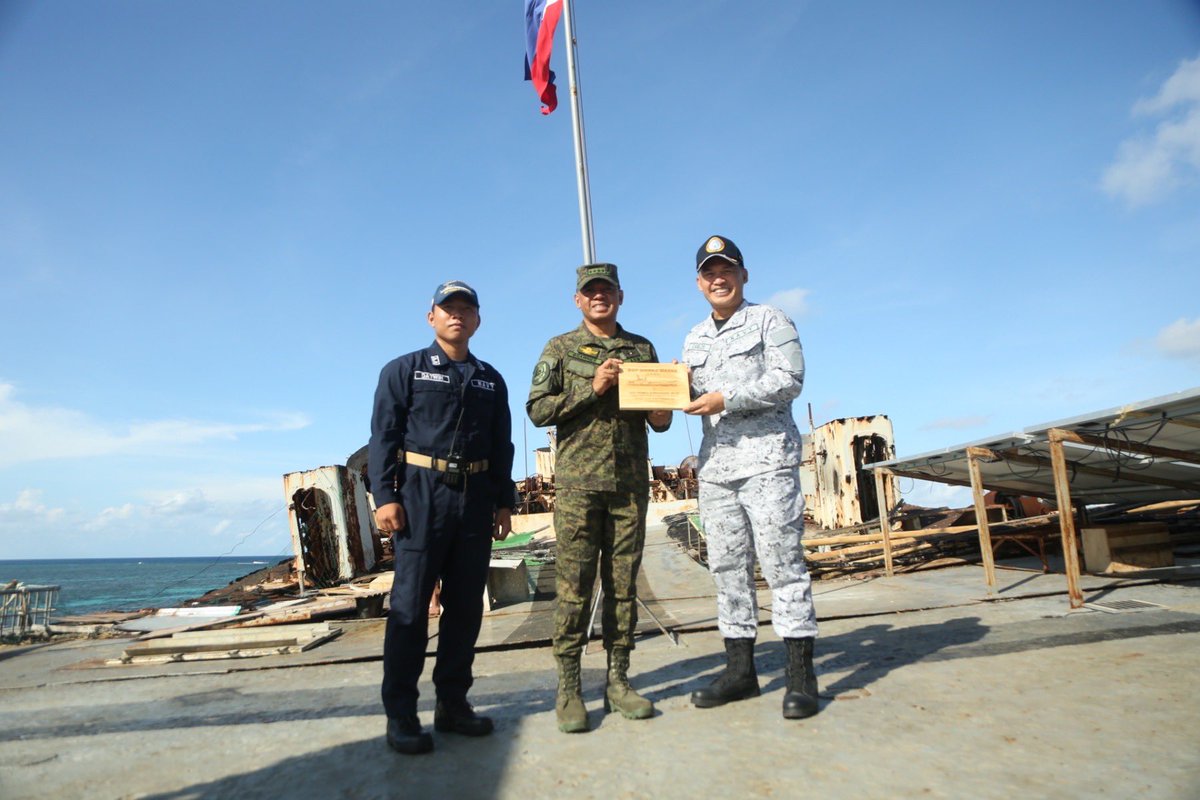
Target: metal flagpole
{"x": 589, "y": 242}
{"x": 581, "y": 171}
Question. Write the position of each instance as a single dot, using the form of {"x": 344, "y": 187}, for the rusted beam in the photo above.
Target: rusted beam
{"x": 985, "y": 535}
{"x": 1066, "y": 520}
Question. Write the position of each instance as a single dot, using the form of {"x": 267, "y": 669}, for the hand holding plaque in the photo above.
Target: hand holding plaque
{"x": 653, "y": 387}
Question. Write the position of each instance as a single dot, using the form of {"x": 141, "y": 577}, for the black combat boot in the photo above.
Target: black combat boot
{"x": 739, "y": 680}
{"x": 404, "y": 735}
{"x": 801, "y": 698}
{"x": 457, "y": 716}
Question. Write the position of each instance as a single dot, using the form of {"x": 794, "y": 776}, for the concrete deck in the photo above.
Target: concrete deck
{"x": 931, "y": 687}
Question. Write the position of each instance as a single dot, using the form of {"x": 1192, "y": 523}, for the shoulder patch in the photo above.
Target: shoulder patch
{"x": 541, "y": 372}
{"x": 782, "y": 335}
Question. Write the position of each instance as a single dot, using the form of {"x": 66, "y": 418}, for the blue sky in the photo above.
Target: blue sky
{"x": 218, "y": 220}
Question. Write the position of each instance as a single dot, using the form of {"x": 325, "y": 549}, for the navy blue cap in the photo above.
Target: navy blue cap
{"x": 718, "y": 247}
{"x": 451, "y": 288}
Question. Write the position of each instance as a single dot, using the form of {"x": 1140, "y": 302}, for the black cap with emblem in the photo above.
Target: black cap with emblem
{"x": 596, "y": 272}
{"x": 719, "y": 247}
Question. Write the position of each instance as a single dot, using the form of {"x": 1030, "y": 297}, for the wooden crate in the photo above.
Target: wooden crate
{"x": 1127, "y": 548}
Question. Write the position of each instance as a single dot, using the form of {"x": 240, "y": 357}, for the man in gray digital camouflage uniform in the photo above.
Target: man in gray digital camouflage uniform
{"x": 746, "y": 368}
{"x": 601, "y": 479}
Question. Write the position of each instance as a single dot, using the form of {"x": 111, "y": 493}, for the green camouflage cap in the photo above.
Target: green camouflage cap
{"x": 596, "y": 272}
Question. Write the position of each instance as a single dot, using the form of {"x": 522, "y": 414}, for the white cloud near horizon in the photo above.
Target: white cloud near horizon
{"x": 1180, "y": 339}
{"x": 1148, "y": 167}
{"x": 194, "y": 520}
{"x": 793, "y": 301}
{"x": 29, "y": 433}
{"x": 28, "y": 504}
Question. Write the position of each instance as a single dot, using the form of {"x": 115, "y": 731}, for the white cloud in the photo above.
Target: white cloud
{"x": 190, "y": 501}
{"x": 1152, "y": 165}
{"x": 1180, "y": 339}
{"x": 28, "y": 506}
{"x": 793, "y": 301}
{"x": 956, "y": 423}
{"x": 29, "y": 433}
{"x": 1181, "y": 88}
{"x": 186, "y": 521}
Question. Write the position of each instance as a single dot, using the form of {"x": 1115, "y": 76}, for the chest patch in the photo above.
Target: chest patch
{"x": 436, "y": 377}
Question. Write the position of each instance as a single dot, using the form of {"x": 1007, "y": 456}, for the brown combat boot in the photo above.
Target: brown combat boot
{"x": 619, "y": 694}
{"x": 568, "y": 704}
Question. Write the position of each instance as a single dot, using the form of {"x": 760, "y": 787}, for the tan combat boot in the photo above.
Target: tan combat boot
{"x": 568, "y": 704}
{"x": 619, "y": 694}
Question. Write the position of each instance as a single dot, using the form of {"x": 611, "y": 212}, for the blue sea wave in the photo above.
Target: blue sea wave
{"x": 115, "y": 584}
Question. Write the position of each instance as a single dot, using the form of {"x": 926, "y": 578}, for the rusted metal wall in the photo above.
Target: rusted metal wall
{"x": 333, "y": 531}
{"x": 545, "y": 463}
{"x": 837, "y": 490}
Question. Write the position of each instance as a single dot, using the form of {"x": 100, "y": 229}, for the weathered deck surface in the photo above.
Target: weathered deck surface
{"x": 932, "y": 688}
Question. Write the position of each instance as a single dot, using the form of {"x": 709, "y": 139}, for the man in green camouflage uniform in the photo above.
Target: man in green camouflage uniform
{"x": 601, "y": 479}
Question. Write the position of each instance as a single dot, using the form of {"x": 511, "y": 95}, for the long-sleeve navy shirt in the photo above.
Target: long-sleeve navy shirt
{"x": 424, "y": 405}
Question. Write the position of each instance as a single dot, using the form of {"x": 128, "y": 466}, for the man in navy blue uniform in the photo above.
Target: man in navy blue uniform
{"x": 440, "y": 469}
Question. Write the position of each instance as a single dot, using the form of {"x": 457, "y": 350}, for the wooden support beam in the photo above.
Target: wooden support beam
{"x": 985, "y": 535}
{"x": 1066, "y": 520}
{"x": 1122, "y": 446}
{"x": 885, "y": 524}
{"x": 1187, "y": 422}
{"x": 1083, "y": 469}
{"x": 922, "y": 476}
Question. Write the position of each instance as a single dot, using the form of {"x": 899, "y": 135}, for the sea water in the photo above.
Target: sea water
{"x": 129, "y": 584}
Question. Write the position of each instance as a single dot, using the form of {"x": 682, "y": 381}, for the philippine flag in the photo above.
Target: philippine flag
{"x": 541, "y": 20}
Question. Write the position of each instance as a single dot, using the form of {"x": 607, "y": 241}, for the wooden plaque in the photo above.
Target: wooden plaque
{"x": 653, "y": 387}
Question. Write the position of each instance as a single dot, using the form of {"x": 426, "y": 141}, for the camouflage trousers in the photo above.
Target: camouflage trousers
{"x": 605, "y": 528}
{"x": 763, "y": 514}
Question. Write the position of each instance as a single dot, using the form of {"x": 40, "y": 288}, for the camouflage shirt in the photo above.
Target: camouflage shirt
{"x": 600, "y": 448}
{"x": 756, "y": 362}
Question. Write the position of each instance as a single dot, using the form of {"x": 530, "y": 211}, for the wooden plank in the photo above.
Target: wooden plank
{"x": 1066, "y": 520}
{"x": 239, "y": 635}
{"x": 878, "y": 546}
{"x": 162, "y": 652}
{"x": 165, "y": 646}
{"x": 875, "y": 536}
{"x": 985, "y": 535}
{"x": 884, "y": 524}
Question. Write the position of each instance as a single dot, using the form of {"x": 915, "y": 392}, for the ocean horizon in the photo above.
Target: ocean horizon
{"x": 128, "y": 584}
